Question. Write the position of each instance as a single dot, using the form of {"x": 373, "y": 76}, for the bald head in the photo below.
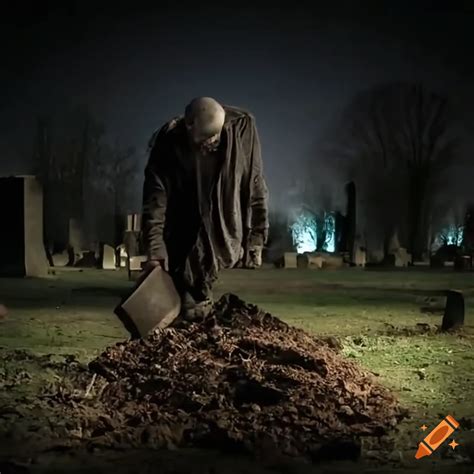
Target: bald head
{"x": 204, "y": 118}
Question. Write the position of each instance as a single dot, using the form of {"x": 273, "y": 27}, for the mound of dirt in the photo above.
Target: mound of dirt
{"x": 240, "y": 379}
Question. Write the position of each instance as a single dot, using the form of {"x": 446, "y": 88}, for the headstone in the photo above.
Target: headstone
{"x": 108, "y": 258}
{"x": 301, "y": 260}
{"x": 402, "y": 258}
{"x": 123, "y": 256}
{"x": 315, "y": 261}
{"x": 129, "y": 222}
{"x": 454, "y": 311}
{"x": 135, "y": 263}
{"x": 134, "y": 222}
{"x": 340, "y": 237}
{"x": 22, "y": 251}
{"x": 351, "y": 219}
{"x": 290, "y": 260}
{"x": 60, "y": 259}
{"x": 468, "y": 238}
{"x": 359, "y": 244}
{"x": 448, "y": 253}
{"x": 360, "y": 257}
{"x": 137, "y": 222}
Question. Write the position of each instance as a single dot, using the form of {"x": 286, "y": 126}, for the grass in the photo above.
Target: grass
{"x": 375, "y": 314}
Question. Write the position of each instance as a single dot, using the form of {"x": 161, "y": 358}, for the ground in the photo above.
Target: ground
{"x": 386, "y": 320}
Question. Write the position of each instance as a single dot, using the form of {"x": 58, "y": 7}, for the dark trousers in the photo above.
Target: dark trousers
{"x": 191, "y": 261}
{"x": 199, "y": 289}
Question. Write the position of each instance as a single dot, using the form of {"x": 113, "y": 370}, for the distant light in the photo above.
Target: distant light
{"x": 451, "y": 235}
{"x": 330, "y": 232}
{"x": 304, "y": 233}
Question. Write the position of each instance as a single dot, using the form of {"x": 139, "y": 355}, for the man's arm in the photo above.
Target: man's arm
{"x": 258, "y": 203}
{"x": 155, "y": 200}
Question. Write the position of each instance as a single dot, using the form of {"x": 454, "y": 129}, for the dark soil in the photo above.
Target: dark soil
{"x": 240, "y": 380}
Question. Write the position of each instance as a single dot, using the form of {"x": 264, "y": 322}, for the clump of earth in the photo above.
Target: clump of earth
{"x": 241, "y": 380}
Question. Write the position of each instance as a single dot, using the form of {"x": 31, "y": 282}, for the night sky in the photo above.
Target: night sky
{"x": 295, "y": 67}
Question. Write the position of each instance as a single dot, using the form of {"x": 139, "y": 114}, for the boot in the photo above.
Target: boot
{"x": 203, "y": 308}
{"x": 188, "y": 307}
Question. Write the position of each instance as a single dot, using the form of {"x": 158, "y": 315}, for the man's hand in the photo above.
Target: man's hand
{"x": 149, "y": 266}
{"x": 253, "y": 257}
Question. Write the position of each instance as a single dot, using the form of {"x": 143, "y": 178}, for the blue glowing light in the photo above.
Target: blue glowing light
{"x": 304, "y": 233}
{"x": 452, "y": 235}
{"x": 329, "y": 232}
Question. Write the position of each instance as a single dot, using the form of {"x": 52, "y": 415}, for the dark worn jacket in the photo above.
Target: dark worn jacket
{"x": 172, "y": 224}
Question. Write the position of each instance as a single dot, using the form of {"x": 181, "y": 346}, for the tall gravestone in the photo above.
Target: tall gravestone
{"x": 108, "y": 257}
{"x": 454, "y": 311}
{"x": 350, "y": 227}
{"x": 469, "y": 230}
{"x": 290, "y": 260}
{"x": 22, "y": 250}
{"x": 339, "y": 221}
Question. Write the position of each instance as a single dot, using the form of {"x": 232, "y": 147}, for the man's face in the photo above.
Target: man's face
{"x": 204, "y": 119}
{"x": 210, "y": 144}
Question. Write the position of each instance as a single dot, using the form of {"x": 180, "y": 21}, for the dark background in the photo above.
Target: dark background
{"x": 294, "y": 66}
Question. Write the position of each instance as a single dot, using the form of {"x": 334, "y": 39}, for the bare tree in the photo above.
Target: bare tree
{"x": 396, "y": 142}
{"x": 114, "y": 172}
{"x": 429, "y": 148}
{"x": 65, "y": 148}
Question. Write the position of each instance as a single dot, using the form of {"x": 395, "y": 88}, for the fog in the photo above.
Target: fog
{"x": 296, "y": 70}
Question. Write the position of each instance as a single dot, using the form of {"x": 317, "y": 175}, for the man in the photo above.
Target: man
{"x": 204, "y": 199}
